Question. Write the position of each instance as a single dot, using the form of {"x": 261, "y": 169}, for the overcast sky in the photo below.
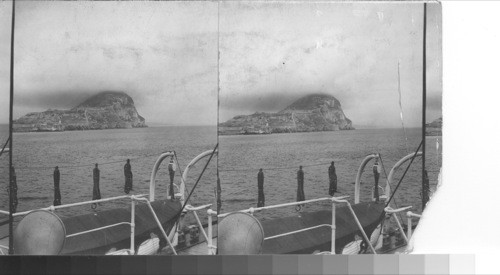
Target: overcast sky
{"x": 164, "y": 55}
{"x": 274, "y": 53}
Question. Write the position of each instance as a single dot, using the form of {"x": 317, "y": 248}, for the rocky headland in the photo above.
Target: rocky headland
{"x": 105, "y": 110}
{"x": 435, "y": 128}
{"x": 311, "y": 113}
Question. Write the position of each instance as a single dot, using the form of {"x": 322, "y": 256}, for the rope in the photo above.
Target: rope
{"x": 397, "y": 186}
{"x": 395, "y": 202}
{"x": 194, "y": 187}
{"x": 404, "y": 174}
{"x": 383, "y": 166}
{"x": 83, "y": 165}
{"x": 197, "y": 181}
{"x": 182, "y": 173}
{"x": 218, "y": 194}
{"x": 185, "y": 186}
{"x": 386, "y": 177}
{"x": 3, "y": 148}
{"x": 275, "y": 168}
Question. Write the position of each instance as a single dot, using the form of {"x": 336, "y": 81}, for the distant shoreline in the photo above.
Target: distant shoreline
{"x": 271, "y": 133}
{"x": 351, "y": 130}
{"x": 111, "y": 129}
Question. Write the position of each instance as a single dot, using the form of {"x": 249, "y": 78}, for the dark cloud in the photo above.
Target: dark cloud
{"x": 54, "y": 99}
{"x": 267, "y": 102}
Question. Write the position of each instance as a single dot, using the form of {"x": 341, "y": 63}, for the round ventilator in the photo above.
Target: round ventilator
{"x": 39, "y": 233}
{"x": 240, "y": 234}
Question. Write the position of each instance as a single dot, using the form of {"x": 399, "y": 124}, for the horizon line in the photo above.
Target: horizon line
{"x": 217, "y": 125}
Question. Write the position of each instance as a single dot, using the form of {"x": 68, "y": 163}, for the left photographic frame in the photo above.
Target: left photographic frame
{"x": 112, "y": 102}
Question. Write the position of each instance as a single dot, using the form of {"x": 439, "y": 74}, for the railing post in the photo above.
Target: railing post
{"x": 334, "y": 228}
{"x": 152, "y": 180}
{"x": 209, "y": 239}
{"x": 410, "y": 226}
{"x": 132, "y": 225}
{"x": 358, "y": 175}
{"x": 361, "y": 228}
{"x": 159, "y": 224}
{"x": 400, "y": 227}
{"x": 200, "y": 226}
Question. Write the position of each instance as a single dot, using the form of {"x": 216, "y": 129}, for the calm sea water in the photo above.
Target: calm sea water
{"x": 75, "y": 152}
{"x": 35, "y": 155}
{"x": 280, "y": 155}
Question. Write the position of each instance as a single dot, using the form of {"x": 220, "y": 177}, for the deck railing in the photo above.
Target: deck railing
{"x": 393, "y": 212}
{"x": 133, "y": 200}
{"x": 194, "y": 209}
{"x": 208, "y": 235}
{"x": 333, "y": 200}
{"x": 411, "y": 215}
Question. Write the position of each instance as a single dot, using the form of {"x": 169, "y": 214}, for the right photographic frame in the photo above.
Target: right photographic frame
{"x": 327, "y": 109}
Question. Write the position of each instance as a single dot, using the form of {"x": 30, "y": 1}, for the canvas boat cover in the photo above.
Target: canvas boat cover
{"x": 369, "y": 215}
{"x": 118, "y": 237}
